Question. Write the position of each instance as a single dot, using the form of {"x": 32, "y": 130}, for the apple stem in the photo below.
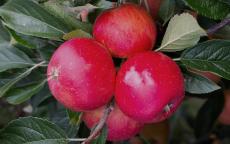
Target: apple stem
{"x": 216, "y": 27}
{"x": 167, "y": 108}
{"x": 100, "y": 124}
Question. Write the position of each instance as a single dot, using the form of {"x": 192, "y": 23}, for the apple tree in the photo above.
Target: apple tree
{"x": 114, "y": 71}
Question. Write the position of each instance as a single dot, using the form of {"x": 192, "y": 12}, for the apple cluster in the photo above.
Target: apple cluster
{"x": 148, "y": 86}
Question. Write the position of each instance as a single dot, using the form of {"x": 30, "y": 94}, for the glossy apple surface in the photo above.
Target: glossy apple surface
{"x": 120, "y": 127}
{"x": 81, "y": 74}
{"x": 125, "y": 30}
{"x": 149, "y": 87}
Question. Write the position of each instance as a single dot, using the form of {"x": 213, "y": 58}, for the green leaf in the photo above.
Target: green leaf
{"x": 2, "y": 2}
{"x": 74, "y": 117}
{"x": 226, "y": 1}
{"x": 11, "y": 57}
{"x": 16, "y": 38}
{"x": 42, "y": 96}
{"x": 214, "y": 9}
{"x": 21, "y": 41}
{"x": 30, "y": 18}
{"x": 213, "y": 56}
{"x": 22, "y": 94}
{"x": 4, "y": 37}
{"x": 81, "y": 2}
{"x": 76, "y": 34}
{"x": 46, "y": 52}
{"x": 59, "y": 116}
{"x": 208, "y": 115}
{"x": 197, "y": 84}
{"x": 104, "y": 4}
{"x": 183, "y": 32}
{"x": 31, "y": 130}
{"x": 13, "y": 81}
{"x": 65, "y": 15}
{"x": 102, "y": 137}
{"x": 167, "y": 10}
{"x": 4, "y": 81}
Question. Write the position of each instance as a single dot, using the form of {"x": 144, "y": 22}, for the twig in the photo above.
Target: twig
{"x": 147, "y": 5}
{"x": 37, "y": 65}
{"x": 76, "y": 139}
{"x": 100, "y": 125}
{"x": 43, "y": 65}
{"x": 216, "y": 27}
{"x": 140, "y": 2}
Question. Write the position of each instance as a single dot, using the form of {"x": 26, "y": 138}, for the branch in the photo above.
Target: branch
{"x": 216, "y": 27}
{"x": 100, "y": 125}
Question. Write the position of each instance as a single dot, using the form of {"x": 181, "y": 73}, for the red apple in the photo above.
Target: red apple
{"x": 224, "y": 117}
{"x": 81, "y": 74}
{"x": 120, "y": 127}
{"x": 125, "y": 30}
{"x": 149, "y": 87}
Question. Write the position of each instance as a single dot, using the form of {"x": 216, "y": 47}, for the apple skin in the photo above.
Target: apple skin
{"x": 125, "y": 30}
{"x": 149, "y": 87}
{"x": 81, "y": 74}
{"x": 120, "y": 127}
{"x": 224, "y": 117}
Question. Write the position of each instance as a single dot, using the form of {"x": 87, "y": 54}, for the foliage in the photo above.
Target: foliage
{"x": 30, "y": 31}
